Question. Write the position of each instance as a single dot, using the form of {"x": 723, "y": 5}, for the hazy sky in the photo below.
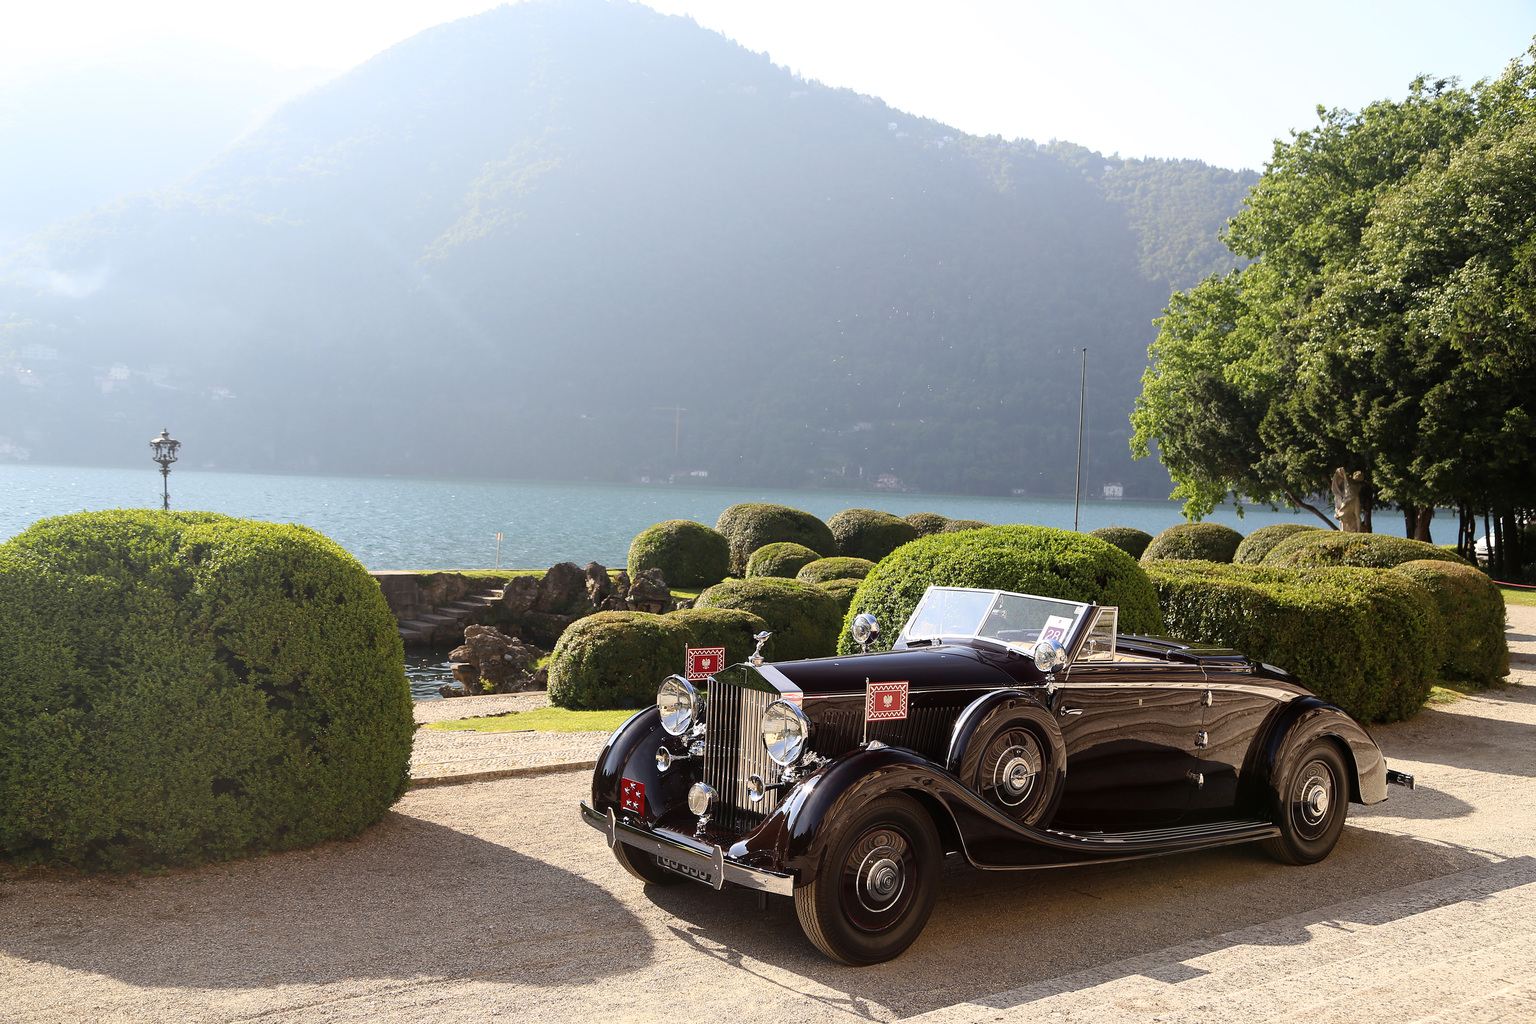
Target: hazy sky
{"x": 1173, "y": 78}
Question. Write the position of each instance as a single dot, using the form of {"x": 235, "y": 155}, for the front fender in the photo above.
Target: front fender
{"x": 631, "y": 754}
{"x": 1312, "y": 718}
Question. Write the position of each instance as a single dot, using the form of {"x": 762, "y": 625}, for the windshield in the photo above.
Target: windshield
{"x": 1012, "y": 618}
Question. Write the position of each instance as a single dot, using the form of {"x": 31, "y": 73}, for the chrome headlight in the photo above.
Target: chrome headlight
{"x": 1049, "y": 655}
{"x": 785, "y": 730}
{"x": 678, "y": 701}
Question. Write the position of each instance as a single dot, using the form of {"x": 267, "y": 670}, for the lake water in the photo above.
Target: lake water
{"x": 396, "y": 523}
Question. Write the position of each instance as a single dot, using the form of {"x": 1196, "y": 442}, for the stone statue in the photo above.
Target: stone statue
{"x": 1346, "y": 498}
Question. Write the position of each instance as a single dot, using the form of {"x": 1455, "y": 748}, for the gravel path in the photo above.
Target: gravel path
{"x": 491, "y": 901}
{"x": 436, "y": 754}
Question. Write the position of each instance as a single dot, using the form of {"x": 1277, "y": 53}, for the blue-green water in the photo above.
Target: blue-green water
{"x": 395, "y": 523}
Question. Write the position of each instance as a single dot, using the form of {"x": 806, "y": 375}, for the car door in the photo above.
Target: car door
{"x": 1236, "y": 710}
{"x": 1130, "y": 734}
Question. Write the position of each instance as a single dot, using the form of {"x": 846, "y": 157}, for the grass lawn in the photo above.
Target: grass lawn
{"x": 1525, "y": 597}
{"x": 542, "y": 720}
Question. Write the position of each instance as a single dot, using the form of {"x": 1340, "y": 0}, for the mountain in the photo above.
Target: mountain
{"x": 516, "y": 244}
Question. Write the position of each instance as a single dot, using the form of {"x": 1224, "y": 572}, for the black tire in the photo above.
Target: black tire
{"x": 643, "y": 866}
{"x": 878, "y": 879}
{"x": 1313, "y": 802}
{"x": 1014, "y": 773}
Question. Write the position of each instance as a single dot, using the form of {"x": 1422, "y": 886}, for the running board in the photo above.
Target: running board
{"x": 1181, "y": 837}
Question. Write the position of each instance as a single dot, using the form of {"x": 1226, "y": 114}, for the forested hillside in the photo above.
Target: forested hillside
{"x": 515, "y": 244}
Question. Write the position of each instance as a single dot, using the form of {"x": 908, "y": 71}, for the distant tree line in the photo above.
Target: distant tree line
{"x": 1386, "y": 325}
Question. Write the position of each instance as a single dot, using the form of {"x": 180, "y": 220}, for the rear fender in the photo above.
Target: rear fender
{"x": 1312, "y": 718}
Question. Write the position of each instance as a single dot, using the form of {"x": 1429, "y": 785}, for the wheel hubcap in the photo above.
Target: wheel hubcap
{"x": 1011, "y": 768}
{"x": 877, "y": 879}
{"x": 1314, "y": 798}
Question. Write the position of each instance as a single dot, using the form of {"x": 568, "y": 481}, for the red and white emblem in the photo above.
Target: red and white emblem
{"x": 632, "y": 796}
{"x": 885, "y": 702}
{"x": 702, "y": 662}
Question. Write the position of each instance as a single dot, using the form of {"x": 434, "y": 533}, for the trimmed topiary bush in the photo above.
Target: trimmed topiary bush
{"x": 749, "y": 526}
{"x": 1476, "y": 650}
{"x": 961, "y": 525}
{"x": 926, "y": 523}
{"x": 178, "y": 687}
{"x": 1366, "y": 639}
{"x": 839, "y": 568}
{"x": 731, "y": 628}
{"x": 1127, "y": 538}
{"x": 803, "y": 618}
{"x": 1258, "y": 544}
{"x": 688, "y": 554}
{"x": 868, "y": 533}
{"x": 616, "y": 659}
{"x": 1364, "y": 550}
{"x": 1025, "y": 559}
{"x": 842, "y": 590}
{"x": 784, "y": 559}
{"x": 1209, "y": 542}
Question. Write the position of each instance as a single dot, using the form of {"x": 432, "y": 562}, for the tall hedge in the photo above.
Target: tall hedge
{"x": 803, "y": 618}
{"x": 1211, "y": 542}
{"x": 1258, "y": 544}
{"x": 615, "y": 659}
{"x": 869, "y": 533}
{"x": 1476, "y": 650}
{"x": 1368, "y": 640}
{"x": 1364, "y": 550}
{"x": 180, "y": 686}
{"x": 926, "y": 523}
{"x": 1025, "y": 559}
{"x": 749, "y": 526}
{"x": 784, "y": 559}
{"x": 839, "y": 568}
{"x": 1127, "y": 538}
{"x": 962, "y": 525}
{"x": 688, "y": 554}
{"x": 731, "y": 628}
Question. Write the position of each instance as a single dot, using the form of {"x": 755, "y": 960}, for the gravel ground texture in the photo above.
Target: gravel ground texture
{"x": 437, "y": 755}
{"x": 491, "y": 901}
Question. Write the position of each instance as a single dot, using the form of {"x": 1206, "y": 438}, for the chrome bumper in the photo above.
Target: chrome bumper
{"x": 686, "y": 856}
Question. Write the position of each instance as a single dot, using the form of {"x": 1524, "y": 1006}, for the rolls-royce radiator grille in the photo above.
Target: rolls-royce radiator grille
{"x": 733, "y": 751}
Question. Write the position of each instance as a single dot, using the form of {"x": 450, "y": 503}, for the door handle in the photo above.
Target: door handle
{"x": 1071, "y": 711}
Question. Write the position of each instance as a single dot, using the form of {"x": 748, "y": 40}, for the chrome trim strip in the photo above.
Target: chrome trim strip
{"x": 692, "y": 859}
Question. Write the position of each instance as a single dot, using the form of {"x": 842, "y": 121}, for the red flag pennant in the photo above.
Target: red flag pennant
{"x": 702, "y": 662}
{"x": 884, "y": 702}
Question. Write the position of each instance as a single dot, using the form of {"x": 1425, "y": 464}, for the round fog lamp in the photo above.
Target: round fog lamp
{"x": 701, "y": 797}
{"x": 785, "y": 730}
{"x": 677, "y": 699}
{"x": 1048, "y": 655}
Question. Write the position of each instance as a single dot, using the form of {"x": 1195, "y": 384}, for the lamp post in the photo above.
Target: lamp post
{"x": 165, "y": 448}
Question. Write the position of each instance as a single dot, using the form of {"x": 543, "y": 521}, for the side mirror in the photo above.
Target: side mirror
{"x": 865, "y": 630}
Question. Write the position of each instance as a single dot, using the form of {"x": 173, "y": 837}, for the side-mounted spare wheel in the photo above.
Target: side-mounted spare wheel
{"x": 1312, "y": 802}
{"x": 878, "y": 879}
{"x": 1016, "y": 760}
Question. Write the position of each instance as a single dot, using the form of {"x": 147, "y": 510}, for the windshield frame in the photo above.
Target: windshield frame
{"x": 1081, "y": 617}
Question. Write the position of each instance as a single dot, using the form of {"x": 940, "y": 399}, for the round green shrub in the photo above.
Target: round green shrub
{"x": 842, "y": 590}
{"x": 1364, "y": 550}
{"x": 926, "y": 523}
{"x": 177, "y": 687}
{"x": 1127, "y": 538}
{"x": 784, "y": 559}
{"x": 1024, "y": 559}
{"x": 615, "y": 659}
{"x": 1209, "y": 542}
{"x": 688, "y": 554}
{"x": 961, "y": 525}
{"x": 731, "y": 628}
{"x": 838, "y": 568}
{"x": 1258, "y": 544}
{"x": 869, "y": 533}
{"x": 1476, "y": 650}
{"x": 803, "y": 618}
{"x": 749, "y": 526}
{"x": 1366, "y": 639}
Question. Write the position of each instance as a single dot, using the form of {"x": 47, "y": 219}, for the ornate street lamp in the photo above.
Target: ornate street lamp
{"x": 165, "y": 448}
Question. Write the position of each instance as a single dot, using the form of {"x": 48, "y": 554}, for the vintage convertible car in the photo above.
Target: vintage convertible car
{"x": 1020, "y": 732}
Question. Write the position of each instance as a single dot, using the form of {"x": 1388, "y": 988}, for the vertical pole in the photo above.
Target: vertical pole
{"x": 498, "y": 550}
{"x": 677, "y": 433}
{"x": 165, "y": 487}
{"x": 1077, "y": 487}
